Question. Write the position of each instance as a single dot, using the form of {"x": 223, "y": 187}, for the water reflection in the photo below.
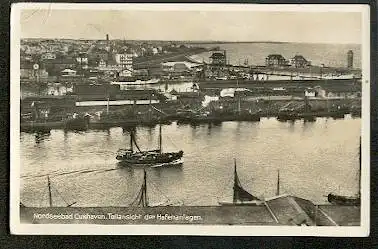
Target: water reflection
{"x": 41, "y": 136}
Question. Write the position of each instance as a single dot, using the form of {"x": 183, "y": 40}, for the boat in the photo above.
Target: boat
{"x": 124, "y": 84}
{"x": 46, "y": 125}
{"x": 49, "y": 187}
{"x": 142, "y": 200}
{"x": 348, "y": 200}
{"x": 149, "y": 157}
{"x": 241, "y": 196}
{"x": 344, "y": 200}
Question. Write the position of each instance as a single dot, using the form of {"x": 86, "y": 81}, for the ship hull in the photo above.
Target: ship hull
{"x": 70, "y": 124}
{"x": 149, "y": 158}
{"x": 344, "y": 200}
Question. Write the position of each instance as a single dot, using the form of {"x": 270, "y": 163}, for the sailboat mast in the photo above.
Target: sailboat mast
{"x": 49, "y": 187}
{"x": 131, "y": 141}
{"x": 145, "y": 201}
{"x": 160, "y": 139}
{"x": 235, "y": 182}
{"x": 278, "y": 184}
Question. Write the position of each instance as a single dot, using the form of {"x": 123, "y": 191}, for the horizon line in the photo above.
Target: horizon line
{"x": 192, "y": 41}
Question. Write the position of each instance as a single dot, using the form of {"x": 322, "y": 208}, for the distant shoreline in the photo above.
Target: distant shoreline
{"x": 190, "y": 42}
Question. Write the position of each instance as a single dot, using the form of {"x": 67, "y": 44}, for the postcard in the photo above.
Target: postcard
{"x": 190, "y": 119}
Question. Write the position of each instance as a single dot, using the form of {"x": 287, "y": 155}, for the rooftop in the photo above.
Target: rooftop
{"x": 275, "y": 56}
{"x": 217, "y": 55}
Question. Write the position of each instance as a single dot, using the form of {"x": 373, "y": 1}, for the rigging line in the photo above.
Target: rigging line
{"x": 70, "y": 172}
{"x": 61, "y": 196}
{"x": 135, "y": 199}
{"x": 43, "y": 197}
{"x": 172, "y": 141}
{"x": 158, "y": 190}
{"x": 71, "y": 196}
{"x": 137, "y": 196}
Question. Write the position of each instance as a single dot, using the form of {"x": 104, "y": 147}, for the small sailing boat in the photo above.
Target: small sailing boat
{"x": 142, "y": 200}
{"x": 50, "y": 195}
{"x": 348, "y": 200}
{"x": 150, "y": 157}
{"x": 241, "y": 196}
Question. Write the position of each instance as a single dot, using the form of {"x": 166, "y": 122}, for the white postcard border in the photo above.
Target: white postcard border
{"x": 86, "y": 229}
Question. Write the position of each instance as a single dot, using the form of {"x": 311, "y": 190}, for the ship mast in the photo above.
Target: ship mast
{"x": 131, "y": 141}
{"x": 160, "y": 140}
{"x": 143, "y": 198}
{"x": 278, "y": 184}
{"x": 49, "y": 187}
{"x": 235, "y": 182}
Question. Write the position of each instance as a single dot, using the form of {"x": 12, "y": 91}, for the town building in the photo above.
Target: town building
{"x": 48, "y": 56}
{"x": 29, "y": 70}
{"x": 218, "y": 58}
{"x": 68, "y": 72}
{"x": 55, "y": 67}
{"x": 275, "y": 60}
{"x": 82, "y": 59}
{"x": 298, "y": 61}
{"x": 125, "y": 61}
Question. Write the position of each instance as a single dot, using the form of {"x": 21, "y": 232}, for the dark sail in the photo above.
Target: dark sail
{"x": 240, "y": 193}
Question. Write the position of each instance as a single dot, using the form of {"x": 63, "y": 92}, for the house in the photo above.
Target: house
{"x": 68, "y": 72}
{"x": 125, "y": 73}
{"x": 48, "y": 56}
{"x": 27, "y": 71}
{"x": 125, "y": 61}
{"x": 82, "y": 59}
{"x": 218, "y": 58}
{"x": 299, "y": 61}
{"x": 55, "y": 67}
{"x": 155, "y": 50}
{"x": 275, "y": 60}
{"x": 178, "y": 66}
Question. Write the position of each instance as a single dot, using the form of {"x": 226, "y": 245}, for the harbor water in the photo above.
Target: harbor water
{"x": 331, "y": 55}
{"x": 314, "y": 159}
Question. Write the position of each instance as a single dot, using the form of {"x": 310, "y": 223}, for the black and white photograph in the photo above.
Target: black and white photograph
{"x": 190, "y": 119}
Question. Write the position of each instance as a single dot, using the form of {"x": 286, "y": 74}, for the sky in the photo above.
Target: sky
{"x": 235, "y": 26}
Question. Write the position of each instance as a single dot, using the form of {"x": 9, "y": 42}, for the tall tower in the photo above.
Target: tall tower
{"x": 350, "y": 59}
